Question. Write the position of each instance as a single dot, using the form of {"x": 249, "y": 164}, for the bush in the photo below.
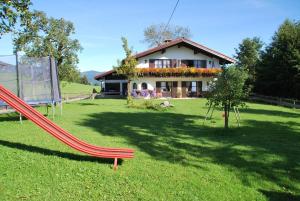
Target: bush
{"x": 148, "y": 104}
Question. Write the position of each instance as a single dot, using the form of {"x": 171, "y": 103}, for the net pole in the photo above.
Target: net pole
{"x": 59, "y": 91}
{"x": 18, "y": 83}
{"x": 51, "y": 84}
{"x": 18, "y": 75}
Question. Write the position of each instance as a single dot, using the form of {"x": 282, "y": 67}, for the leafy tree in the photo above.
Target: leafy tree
{"x": 51, "y": 37}
{"x": 279, "y": 71}
{"x": 228, "y": 90}
{"x": 127, "y": 67}
{"x": 84, "y": 80}
{"x": 248, "y": 57}
{"x": 12, "y": 12}
{"x": 156, "y": 34}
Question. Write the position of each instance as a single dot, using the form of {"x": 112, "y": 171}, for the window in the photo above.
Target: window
{"x": 166, "y": 63}
{"x": 157, "y": 63}
{"x": 194, "y": 87}
{"x": 145, "y": 61}
{"x": 165, "y": 86}
{"x": 200, "y": 63}
{"x": 144, "y": 86}
{"x": 162, "y": 63}
{"x": 134, "y": 86}
{"x": 187, "y": 63}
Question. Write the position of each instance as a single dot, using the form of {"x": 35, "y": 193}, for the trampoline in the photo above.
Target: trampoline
{"x": 35, "y": 80}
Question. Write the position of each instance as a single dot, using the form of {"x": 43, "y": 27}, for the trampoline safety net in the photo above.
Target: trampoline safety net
{"x": 35, "y": 80}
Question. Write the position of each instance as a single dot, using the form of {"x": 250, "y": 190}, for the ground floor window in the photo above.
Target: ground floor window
{"x": 166, "y": 86}
{"x": 134, "y": 86}
{"x": 192, "y": 88}
{"x": 144, "y": 86}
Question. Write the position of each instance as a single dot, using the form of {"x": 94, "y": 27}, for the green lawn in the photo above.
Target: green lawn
{"x": 70, "y": 88}
{"x": 177, "y": 158}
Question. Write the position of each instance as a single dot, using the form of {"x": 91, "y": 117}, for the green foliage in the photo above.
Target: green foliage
{"x": 228, "y": 90}
{"x": 279, "y": 70}
{"x": 84, "y": 80}
{"x": 248, "y": 57}
{"x": 48, "y": 36}
{"x": 156, "y": 34}
{"x": 12, "y": 12}
{"x": 127, "y": 67}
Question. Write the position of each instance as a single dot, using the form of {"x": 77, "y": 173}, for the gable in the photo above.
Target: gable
{"x": 188, "y": 44}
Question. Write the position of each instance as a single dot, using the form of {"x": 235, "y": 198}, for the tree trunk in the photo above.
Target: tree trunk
{"x": 129, "y": 98}
{"x": 226, "y": 115}
{"x": 128, "y": 88}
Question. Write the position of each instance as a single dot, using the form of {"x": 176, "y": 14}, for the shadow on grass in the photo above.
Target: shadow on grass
{"x": 48, "y": 152}
{"x": 280, "y": 196}
{"x": 14, "y": 116}
{"x": 87, "y": 104}
{"x": 270, "y": 112}
{"x": 264, "y": 148}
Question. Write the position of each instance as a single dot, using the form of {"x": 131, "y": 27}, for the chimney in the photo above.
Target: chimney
{"x": 167, "y": 41}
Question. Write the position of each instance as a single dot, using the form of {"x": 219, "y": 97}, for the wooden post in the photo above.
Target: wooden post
{"x": 21, "y": 122}
{"x": 207, "y": 113}
{"x": 116, "y": 164}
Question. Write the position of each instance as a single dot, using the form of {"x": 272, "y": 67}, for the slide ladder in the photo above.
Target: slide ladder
{"x": 61, "y": 134}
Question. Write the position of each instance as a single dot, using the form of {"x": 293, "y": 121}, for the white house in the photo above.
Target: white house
{"x": 177, "y": 68}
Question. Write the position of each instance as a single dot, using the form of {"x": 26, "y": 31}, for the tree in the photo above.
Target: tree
{"x": 127, "y": 67}
{"x": 84, "y": 80}
{"x": 12, "y": 12}
{"x": 279, "y": 71}
{"x": 156, "y": 34}
{"x": 51, "y": 37}
{"x": 248, "y": 57}
{"x": 228, "y": 90}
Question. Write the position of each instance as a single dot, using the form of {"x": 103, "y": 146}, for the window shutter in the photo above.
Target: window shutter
{"x": 151, "y": 63}
{"x": 158, "y": 85}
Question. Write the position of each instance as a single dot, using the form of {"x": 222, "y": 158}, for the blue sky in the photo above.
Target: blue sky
{"x": 220, "y": 25}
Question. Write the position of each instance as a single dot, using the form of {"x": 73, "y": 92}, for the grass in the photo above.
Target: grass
{"x": 177, "y": 157}
{"x": 70, "y": 87}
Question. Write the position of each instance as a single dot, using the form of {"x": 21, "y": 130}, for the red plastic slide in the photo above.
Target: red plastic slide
{"x": 60, "y": 134}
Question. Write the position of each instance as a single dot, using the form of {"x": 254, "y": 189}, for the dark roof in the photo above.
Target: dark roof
{"x": 190, "y": 44}
{"x": 102, "y": 75}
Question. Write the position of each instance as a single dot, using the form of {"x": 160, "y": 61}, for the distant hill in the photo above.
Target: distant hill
{"x": 90, "y": 76}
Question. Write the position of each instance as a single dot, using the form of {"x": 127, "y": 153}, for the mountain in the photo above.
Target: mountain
{"x": 90, "y": 76}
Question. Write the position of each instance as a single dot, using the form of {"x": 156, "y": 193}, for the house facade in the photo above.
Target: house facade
{"x": 177, "y": 68}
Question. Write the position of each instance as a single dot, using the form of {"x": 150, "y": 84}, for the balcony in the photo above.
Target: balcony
{"x": 175, "y": 63}
{"x": 178, "y": 72}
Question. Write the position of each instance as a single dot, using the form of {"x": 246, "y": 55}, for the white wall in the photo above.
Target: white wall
{"x": 151, "y": 81}
{"x": 176, "y": 53}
